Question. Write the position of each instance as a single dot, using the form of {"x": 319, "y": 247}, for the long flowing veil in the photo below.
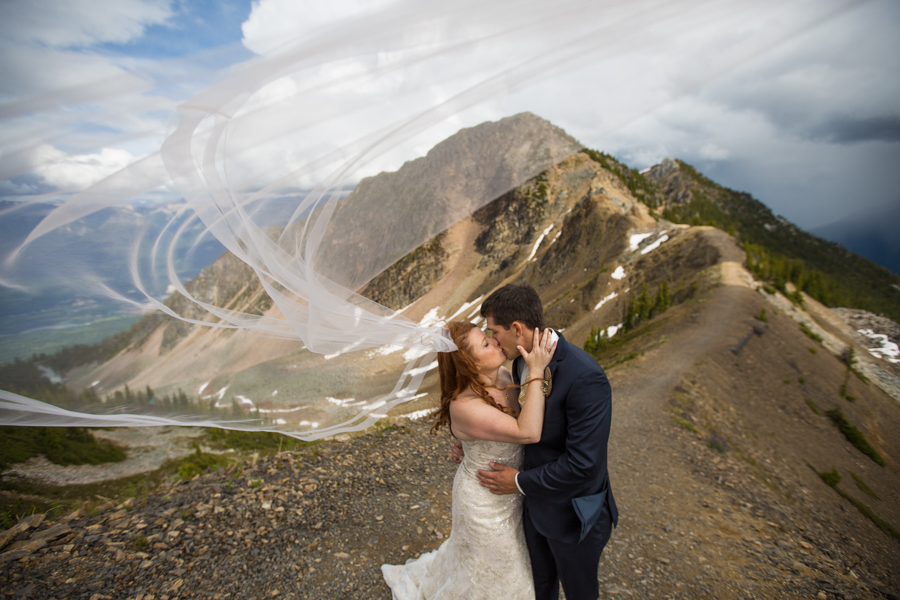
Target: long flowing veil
{"x": 275, "y": 161}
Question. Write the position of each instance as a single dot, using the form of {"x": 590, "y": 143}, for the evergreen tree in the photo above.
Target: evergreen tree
{"x": 88, "y": 396}
{"x": 236, "y": 410}
{"x": 644, "y": 304}
{"x": 597, "y": 341}
{"x": 662, "y": 297}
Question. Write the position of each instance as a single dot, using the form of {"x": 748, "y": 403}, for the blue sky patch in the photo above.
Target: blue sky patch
{"x": 197, "y": 25}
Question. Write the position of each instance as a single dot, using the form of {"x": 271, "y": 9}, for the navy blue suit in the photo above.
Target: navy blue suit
{"x": 569, "y": 462}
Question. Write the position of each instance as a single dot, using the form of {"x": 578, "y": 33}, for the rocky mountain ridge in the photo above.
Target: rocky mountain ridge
{"x": 576, "y": 233}
{"x": 824, "y": 269}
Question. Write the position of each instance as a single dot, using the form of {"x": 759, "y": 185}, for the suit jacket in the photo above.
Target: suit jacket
{"x": 570, "y": 459}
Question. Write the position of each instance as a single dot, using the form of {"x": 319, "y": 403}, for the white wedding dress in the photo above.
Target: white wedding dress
{"x": 485, "y": 557}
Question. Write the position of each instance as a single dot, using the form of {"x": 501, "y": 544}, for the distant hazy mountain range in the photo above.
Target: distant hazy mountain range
{"x": 57, "y": 309}
{"x": 55, "y": 306}
{"x": 874, "y": 235}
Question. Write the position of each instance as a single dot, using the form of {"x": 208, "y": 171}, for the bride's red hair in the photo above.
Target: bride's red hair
{"x": 459, "y": 371}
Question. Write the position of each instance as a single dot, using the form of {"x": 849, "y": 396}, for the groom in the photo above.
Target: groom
{"x": 569, "y": 507}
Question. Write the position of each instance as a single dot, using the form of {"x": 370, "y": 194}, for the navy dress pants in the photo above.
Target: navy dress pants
{"x": 575, "y": 565}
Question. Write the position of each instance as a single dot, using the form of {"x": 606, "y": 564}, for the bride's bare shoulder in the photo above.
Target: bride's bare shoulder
{"x": 465, "y": 397}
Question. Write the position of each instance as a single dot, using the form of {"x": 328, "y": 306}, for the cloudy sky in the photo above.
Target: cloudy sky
{"x": 794, "y": 101}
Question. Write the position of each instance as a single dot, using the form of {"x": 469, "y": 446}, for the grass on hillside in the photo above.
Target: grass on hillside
{"x": 832, "y": 478}
{"x": 854, "y": 435}
{"x": 61, "y": 445}
{"x": 200, "y": 463}
{"x": 640, "y": 319}
{"x": 24, "y": 496}
{"x": 810, "y": 333}
{"x": 842, "y": 392}
{"x": 260, "y": 443}
{"x": 865, "y": 489}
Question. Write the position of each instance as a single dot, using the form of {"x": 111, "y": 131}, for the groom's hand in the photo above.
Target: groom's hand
{"x": 456, "y": 453}
{"x": 502, "y": 480}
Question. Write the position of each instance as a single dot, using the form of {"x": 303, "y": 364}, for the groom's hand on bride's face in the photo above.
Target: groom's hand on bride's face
{"x": 502, "y": 480}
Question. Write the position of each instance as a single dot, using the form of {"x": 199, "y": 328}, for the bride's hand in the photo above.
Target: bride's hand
{"x": 541, "y": 352}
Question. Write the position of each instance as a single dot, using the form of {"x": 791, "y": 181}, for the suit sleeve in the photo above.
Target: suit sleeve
{"x": 588, "y": 412}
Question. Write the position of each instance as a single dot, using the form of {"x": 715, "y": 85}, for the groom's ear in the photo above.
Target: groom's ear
{"x": 519, "y": 328}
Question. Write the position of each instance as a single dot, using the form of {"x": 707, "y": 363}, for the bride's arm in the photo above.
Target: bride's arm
{"x": 473, "y": 418}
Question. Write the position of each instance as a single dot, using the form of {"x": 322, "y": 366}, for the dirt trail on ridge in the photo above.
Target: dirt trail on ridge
{"x": 696, "y": 523}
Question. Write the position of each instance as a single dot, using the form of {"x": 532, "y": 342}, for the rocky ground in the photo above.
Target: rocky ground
{"x": 861, "y": 319}
{"x": 313, "y": 524}
{"x": 319, "y": 523}
{"x": 710, "y": 460}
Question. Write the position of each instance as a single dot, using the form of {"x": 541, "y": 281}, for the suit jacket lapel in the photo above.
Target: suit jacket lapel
{"x": 560, "y": 354}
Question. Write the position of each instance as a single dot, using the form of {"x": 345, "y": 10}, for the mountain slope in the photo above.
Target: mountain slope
{"x": 576, "y": 233}
{"x": 588, "y": 207}
{"x": 716, "y": 456}
{"x": 825, "y": 269}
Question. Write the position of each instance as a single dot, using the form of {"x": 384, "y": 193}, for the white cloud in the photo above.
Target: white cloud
{"x": 740, "y": 89}
{"x": 59, "y": 92}
{"x": 79, "y": 171}
{"x": 52, "y": 75}
{"x": 272, "y": 24}
{"x": 68, "y": 23}
{"x": 848, "y": 66}
{"x": 711, "y": 151}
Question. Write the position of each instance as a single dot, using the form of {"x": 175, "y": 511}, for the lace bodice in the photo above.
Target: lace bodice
{"x": 480, "y": 453}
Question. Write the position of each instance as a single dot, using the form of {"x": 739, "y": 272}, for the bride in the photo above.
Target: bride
{"x": 485, "y": 556}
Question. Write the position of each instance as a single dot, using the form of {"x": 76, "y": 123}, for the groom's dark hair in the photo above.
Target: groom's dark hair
{"x": 514, "y": 302}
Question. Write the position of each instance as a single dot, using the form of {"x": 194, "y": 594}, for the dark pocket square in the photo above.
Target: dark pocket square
{"x": 588, "y": 509}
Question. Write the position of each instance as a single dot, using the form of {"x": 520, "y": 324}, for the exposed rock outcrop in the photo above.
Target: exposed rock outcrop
{"x": 409, "y": 278}
{"x": 671, "y": 181}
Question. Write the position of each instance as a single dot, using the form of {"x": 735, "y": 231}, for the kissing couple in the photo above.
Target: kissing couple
{"x": 532, "y": 505}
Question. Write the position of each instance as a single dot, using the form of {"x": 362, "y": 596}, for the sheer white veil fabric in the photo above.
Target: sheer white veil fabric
{"x": 310, "y": 118}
